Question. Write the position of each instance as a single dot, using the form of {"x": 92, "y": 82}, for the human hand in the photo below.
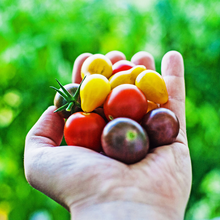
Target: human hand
{"x": 93, "y": 186}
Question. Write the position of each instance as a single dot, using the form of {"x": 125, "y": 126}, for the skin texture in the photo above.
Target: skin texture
{"x": 76, "y": 73}
{"x": 93, "y": 186}
{"x": 115, "y": 56}
{"x": 144, "y": 58}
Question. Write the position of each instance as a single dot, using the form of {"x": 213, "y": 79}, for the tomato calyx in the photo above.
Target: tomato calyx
{"x": 71, "y": 99}
{"x": 131, "y": 135}
{"x": 110, "y": 117}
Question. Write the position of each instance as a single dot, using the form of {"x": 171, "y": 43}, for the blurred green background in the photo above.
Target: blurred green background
{"x": 39, "y": 41}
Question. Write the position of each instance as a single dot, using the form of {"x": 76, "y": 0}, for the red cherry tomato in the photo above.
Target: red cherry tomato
{"x": 122, "y": 65}
{"x": 84, "y": 129}
{"x": 125, "y": 100}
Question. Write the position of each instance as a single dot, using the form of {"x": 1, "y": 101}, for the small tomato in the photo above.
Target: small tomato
{"x": 59, "y": 100}
{"x": 122, "y": 65}
{"x": 126, "y": 76}
{"x": 84, "y": 129}
{"x": 94, "y": 91}
{"x": 153, "y": 86}
{"x": 97, "y": 64}
{"x": 125, "y": 100}
{"x": 125, "y": 140}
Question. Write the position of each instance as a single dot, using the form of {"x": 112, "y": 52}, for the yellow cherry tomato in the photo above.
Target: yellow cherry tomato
{"x": 127, "y": 76}
{"x": 97, "y": 64}
{"x": 93, "y": 92}
{"x": 153, "y": 86}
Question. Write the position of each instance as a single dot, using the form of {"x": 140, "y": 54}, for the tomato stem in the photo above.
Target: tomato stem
{"x": 111, "y": 117}
{"x": 78, "y": 104}
{"x": 71, "y": 99}
{"x": 60, "y": 92}
{"x": 64, "y": 90}
{"x": 61, "y": 108}
{"x": 76, "y": 94}
{"x": 131, "y": 135}
{"x": 69, "y": 107}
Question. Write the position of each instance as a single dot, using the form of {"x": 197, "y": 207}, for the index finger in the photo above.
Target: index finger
{"x": 172, "y": 69}
{"x": 76, "y": 73}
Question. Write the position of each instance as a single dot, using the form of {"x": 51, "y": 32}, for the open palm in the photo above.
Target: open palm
{"x": 81, "y": 179}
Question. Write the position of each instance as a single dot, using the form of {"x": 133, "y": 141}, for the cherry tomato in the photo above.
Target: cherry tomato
{"x": 125, "y": 140}
{"x": 84, "y": 129}
{"x": 122, "y": 65}
{"x": 125, "y": 100}
{"x": 162, "y": 126}
{"x": 94, "y": 91}
{"x": 61, "y": 101}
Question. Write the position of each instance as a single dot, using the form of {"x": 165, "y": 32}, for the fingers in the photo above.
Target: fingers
{"x": 144, "y": 58}
{"x": 140, "y": 58}
{"x": 48, "y": 131}
{"x": 115, "y": 56}
{"x": 173, "y": 73}
{"x": 76, "y": 73}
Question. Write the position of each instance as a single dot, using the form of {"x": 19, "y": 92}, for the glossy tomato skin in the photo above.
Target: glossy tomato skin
{"x": 162, "y": 126}
{"x": 122, "y": 65}
{"x": 125, "y": 140}
{"x": 84, "y": 129}
{"x": 125, "y": 100}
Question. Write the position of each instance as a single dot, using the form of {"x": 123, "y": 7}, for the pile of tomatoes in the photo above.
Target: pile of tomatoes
{"x": 116, "y": 109}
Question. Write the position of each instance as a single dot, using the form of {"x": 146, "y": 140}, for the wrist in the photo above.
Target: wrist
{"x": 124, "y": 210}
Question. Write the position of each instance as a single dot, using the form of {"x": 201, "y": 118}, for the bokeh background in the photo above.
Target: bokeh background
{"x": 39, "y": 41}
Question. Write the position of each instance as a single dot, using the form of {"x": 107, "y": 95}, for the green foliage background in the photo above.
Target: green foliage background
{"x": 39, "y": 41}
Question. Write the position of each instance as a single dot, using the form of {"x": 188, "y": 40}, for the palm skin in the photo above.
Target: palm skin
{"x": 90, "y": 184}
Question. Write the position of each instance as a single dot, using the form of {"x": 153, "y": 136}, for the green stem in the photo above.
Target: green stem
{"x": 76, "y": 95}
{"x": 69, "y": 107}
{"x": 61, "y": 93}
{"x": 77, "y": 104}
{"x": 71, "y": 100}
{"x": 131, "y": 135}
{"x": 62, "y": 108}
{"x": 64, "y": 90}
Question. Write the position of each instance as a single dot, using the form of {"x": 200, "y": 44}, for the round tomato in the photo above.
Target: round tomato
{"x": 122, "y": 65}
{"x": 59, "y": 100}
{"x": 84, "y": 129}
{"x": 125, "y": 100}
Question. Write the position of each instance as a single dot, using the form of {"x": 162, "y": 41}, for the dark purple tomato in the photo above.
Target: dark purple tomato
{"x": 161, "y": 125}
{"x": 125, "y": 140}
{"x": 60, "y": 101}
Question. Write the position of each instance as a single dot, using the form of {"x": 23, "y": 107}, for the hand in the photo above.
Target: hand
{"x": 93, "y": 186}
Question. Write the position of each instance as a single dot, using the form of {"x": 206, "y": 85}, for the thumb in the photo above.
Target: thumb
{"x": 173, "y": 74}
{"x": 48, "y": 130}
